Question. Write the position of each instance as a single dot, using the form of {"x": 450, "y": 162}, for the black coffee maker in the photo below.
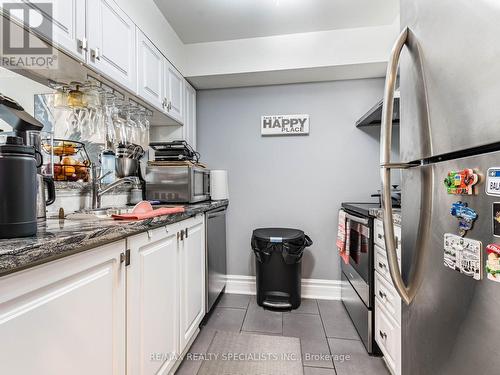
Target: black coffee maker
{"x": 18, "y": 172}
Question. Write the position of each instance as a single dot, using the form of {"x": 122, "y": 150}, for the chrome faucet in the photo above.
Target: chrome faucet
{"x": 98, "y": 191}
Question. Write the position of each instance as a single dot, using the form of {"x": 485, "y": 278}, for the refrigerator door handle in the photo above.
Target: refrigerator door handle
{"x": 407, "y": 293}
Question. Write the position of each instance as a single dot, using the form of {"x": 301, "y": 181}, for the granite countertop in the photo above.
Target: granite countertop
{"x": 59, "y": 238}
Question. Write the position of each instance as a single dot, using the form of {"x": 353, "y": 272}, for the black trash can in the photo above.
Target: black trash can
{"x": 278, "y": 256}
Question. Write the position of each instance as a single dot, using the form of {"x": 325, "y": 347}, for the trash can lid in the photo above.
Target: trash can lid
{"x": 277, "y": 234}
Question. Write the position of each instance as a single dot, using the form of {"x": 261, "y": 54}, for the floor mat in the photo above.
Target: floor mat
{"x": 246, "y": 354}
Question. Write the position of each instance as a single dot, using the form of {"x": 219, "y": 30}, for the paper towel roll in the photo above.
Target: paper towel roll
{"x": 219, "y": 188}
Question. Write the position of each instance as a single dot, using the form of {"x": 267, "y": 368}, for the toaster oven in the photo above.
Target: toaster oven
{"x": 177, "y": 184}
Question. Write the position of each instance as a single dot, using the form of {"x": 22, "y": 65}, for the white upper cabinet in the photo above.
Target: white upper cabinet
{"x": 112, "y": 42}
{"x": 68, "y": 24}
{"x": 192, "y": 278}
{"x": 174, "y": 92}
{"x": 149, "y": 71}
{"x": 152, "y": 307}
{"x": 68, "y": 316}
{"x": 189, "y": 128}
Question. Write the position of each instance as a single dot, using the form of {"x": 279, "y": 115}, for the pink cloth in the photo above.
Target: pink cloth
{"x": 149, "y": 214}
{"x": 343, "y": 237}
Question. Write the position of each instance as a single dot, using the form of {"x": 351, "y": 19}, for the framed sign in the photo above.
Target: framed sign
{"x": 284, "y": 125}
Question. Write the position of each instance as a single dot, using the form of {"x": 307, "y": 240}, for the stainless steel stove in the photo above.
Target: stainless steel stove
{"x": 358, "y": 275}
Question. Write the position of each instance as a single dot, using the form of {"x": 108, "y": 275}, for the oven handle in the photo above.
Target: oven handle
{"x": 357, "y": 219}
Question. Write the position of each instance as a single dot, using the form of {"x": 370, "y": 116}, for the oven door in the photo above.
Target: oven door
{"x": 359, "y": 242}
{"x": 199, "y": 185}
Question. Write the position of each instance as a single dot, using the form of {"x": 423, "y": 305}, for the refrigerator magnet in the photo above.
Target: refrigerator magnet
{"x": 461, "y": 182}
{"x": 493, "y": 262}
{"x": 463, "y": 255}
{"x": 496, "y": 219}
{"x": 466, "y": 216}
{"x": 493, "y": 181}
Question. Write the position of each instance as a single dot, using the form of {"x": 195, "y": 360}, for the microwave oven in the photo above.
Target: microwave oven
{"x": 177, "y": 184}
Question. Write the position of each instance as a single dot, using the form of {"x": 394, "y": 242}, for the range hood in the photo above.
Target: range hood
{"x": 374, "y": 116}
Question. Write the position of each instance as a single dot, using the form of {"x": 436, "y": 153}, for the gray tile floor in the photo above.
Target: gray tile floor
{"x": 329, "y": 342}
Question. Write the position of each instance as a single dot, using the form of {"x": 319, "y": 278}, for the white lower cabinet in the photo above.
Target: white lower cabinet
{"x": 192, "y": 278}
{"x": 131, "y": 307}
{"x": 388, "y": 337}
{"x": 387, "y": 302}
{"x": 65, "y": 317}
{"x": 165, "y": 294}
{"x": 388, "y": 297}
{"x": 152, "y": 311}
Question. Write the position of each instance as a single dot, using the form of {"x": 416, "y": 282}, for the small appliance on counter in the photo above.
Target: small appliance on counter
{"x": 127, "y": 161}
{"x": 186, "y": 183}
{"x": 174, "y": 151}
{"x": 175, "y": 175}
{"x": 18, "y": 172}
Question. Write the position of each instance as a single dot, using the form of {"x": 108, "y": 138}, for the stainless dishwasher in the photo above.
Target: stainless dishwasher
{"x": 216, "y": 254}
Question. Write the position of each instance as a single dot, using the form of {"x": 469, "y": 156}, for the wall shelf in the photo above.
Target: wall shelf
{"x": 374, "y": 116}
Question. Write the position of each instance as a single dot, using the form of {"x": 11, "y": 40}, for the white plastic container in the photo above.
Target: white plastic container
{"x": 219, "y": 188}
{"x": 108, "y": 165}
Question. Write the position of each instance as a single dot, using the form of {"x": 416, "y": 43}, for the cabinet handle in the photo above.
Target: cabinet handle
{"x": 182, "y": 235}
{"x": 382, "y": 334}
{"x": 187, "y": 233}
{"x": 95, "y": 54}
{"x": 382, "y": 294}
{"x": 381, "y": 265}
{"x": 169, "y": 106}
{"x": 82, "y": 44}
{"x": 164, "y": 103}
{"x": 380, "y": 236}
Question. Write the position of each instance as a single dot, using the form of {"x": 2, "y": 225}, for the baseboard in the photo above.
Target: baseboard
{"x": 311, "y": 288}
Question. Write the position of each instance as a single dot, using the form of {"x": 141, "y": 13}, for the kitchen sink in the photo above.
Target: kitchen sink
{"x": 104, "y": 213}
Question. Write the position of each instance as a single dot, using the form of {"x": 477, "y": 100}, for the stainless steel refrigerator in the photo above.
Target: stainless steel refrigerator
{"x": 449, "y": 59}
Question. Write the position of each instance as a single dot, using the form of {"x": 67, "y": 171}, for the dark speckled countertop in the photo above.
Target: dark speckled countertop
{"x": 59, "y": 238}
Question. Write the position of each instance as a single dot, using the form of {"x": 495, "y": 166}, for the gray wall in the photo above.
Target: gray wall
{"x": 297, "y": 181}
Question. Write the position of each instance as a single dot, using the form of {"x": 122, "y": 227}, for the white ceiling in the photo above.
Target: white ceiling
{"x": 215, "y": 20}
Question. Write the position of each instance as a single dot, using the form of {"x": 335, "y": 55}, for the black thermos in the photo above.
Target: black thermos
{"x": 18, "y": 188}
{"x": 18, "y": 172}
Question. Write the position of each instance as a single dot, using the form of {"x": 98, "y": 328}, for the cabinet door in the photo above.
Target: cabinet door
{"x": 189, "y": 128}
{"x": 65, "y": 317}
{"x": 192, "y": 276}
{"x": 174, "y": 91}
{"x": 388, "y": 337}
{"x": 152, "y": 306}
{"x": 111, "y": 35}
{"x": 149, "y": 71}
{"x": 68, "y": 24}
